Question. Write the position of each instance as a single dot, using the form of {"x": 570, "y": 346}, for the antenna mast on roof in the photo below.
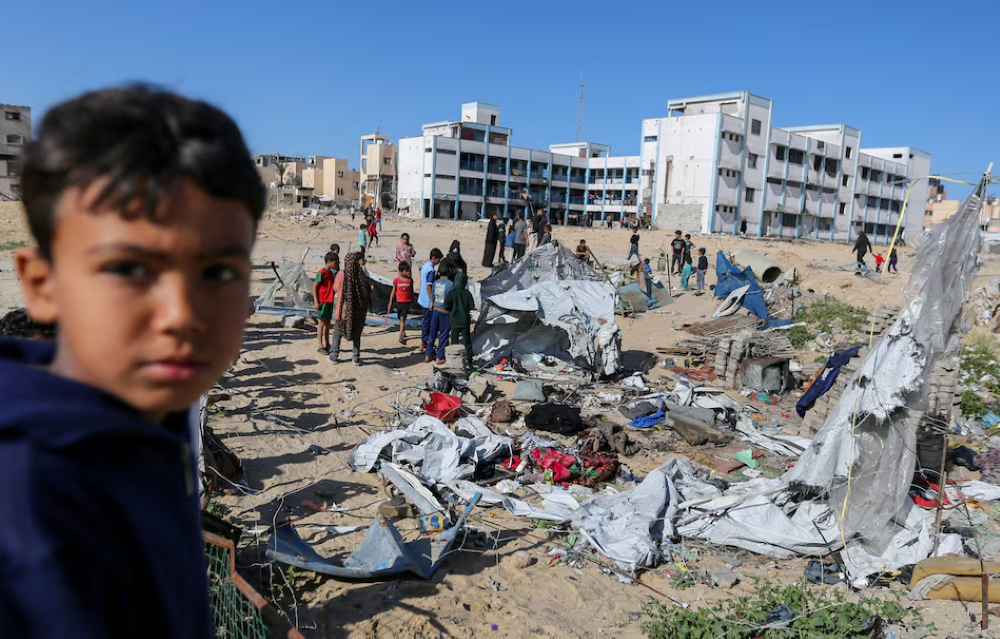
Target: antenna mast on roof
{"x": 579, "y": 113}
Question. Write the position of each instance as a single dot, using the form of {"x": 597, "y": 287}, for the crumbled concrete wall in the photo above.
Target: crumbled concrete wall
{"x": 686, "y": 217}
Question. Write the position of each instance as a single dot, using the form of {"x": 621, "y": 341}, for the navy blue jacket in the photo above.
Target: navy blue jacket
{"x": 99, "y": 521}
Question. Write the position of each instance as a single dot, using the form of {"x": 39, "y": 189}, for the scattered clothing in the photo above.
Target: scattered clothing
{"x": 825, "y": 380}
{"x": 554, "y": 418}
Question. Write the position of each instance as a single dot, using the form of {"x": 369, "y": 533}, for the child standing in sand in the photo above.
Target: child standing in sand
{"x": 686, "y": 274}
{"x": 402, "y": 294}
{"x": 323, "y": 296}
{"x": 144, "y": 207}
{"x": 362, "y": 237}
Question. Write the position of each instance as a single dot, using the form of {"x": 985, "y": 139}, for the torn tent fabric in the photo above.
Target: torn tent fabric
{"x": 729, "y": 278}
{"x": 573, "y": 321}
{"x": 825, "y": 381}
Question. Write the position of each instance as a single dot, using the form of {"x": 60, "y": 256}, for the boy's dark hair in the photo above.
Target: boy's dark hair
{"x": 548, "y": 227}
{"x": 335, "y": 248}
{"x": 701, "y": 251}
{"x": 406, "y": 235}
{"x": 17, "y": 323}
{"x": 687, "y": 235}
{"x": 404, "y": 266}
{"x": 142, "y": 140}
{"x": 446, "y": 269}
{"x": 677, "y": 232}
{"x": 646, "y": 260}
{"x": 583, "y": 241}
{"x": 436, "y": 253}
{"x": 331, "y": 257}
{"x": 363, "y": 227}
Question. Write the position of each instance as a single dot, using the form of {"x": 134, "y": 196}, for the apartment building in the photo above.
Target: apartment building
{"x": 467, "y": 168}
{"x": 15, "y": 132}
{"x": 340, "y": 182}
{"x": 718, "y": 161}
{"x": 379, "y": 158}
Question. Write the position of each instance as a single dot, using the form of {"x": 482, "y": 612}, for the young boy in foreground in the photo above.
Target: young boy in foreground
{"x": 144, "y": 207}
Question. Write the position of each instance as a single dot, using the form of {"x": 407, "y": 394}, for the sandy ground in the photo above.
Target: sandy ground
{"x": 286, "y": 397}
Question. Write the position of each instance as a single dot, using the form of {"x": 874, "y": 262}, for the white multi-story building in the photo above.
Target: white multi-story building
{"x": 467, "y": 169}
{"x": 715, "y": 164}
{"x": 717, "y": 161}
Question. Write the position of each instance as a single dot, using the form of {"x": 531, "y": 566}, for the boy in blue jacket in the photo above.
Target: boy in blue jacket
{"x": 144, "y": 207}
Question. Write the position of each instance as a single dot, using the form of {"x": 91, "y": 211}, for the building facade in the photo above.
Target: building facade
{"x": 714, "y": 164}
{"x": 340, "y": 182}
{"x": 468, "y": 168}
{"x": 15, "y": 133}
{"x": 379, "y": 160}
{"x": 717, "y": 162}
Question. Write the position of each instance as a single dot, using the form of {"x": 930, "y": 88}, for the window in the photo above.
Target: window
{"x": 779, "y": 153}
{"x": 755, "y": 127}
{"x": 848, "y": 152}
{"x": 796, "y": 156}
{"x": 844, "y": 180}
{"x": 446, "y": 151}
{"x": 820, "y": 144}
{"x": 752, "y": 161}
{"x": 843, "y": 208}
{"x": 647, "y": 171}
{"x": 493, "y": 120}
{"x": 817, "y": 162}
{"x": 14, "y": 140}
{"x": 897, "y": 156}
{"x": 748, "y": 197}
{"x": 12, "y": 115}
{"x": 340, "y": 174}
{"x": 340, "y": 191}
{"x": 864, "y": 173}
{"x": 386, "y": 160}
{"x": 649, "y": 138}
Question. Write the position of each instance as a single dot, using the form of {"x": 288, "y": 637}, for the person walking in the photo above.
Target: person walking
{"x": 702, "y": 270}
{"x": 402, "y": 295}
{"x": 362, "y": 237}
{"x": 492, "y": 237}
{"x": 404, "y": 250}
{"x": 354, "y": 294}
{"x": 502, "y": 241}
{"x": 862, "y": 246}
{"x": 633, "y": 248}
{"x": 647, "y": 276}
{"x": 520, "y": 236}
{"x": 378, "y": 219}
{"x": 677, "y": 246}
{"x": 893, "y": 260}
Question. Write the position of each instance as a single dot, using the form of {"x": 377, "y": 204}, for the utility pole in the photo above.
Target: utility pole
{"x": 579, "y": 113}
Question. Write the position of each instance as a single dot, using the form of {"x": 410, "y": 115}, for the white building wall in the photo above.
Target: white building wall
{"x": 411, "y": 165}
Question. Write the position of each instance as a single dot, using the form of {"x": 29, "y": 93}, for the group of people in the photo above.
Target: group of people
{"x": 343, "y": 299}
{"x": 682, "y": 262}
{"x": 862, "y": 246}
{"x": 518, "y": 235}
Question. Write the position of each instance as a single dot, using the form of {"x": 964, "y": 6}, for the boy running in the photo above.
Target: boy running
{"x": 144, "y": 207}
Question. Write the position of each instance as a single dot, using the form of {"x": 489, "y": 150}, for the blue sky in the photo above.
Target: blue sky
{"x": 310, "y": 77}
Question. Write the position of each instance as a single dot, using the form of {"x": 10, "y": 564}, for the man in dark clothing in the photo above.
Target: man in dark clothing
{"x": 862, "y": 246}
{"x": 677, "y": 248}
{"x": 702, "y": 270}
{"x": 633, "y": 245}
{"x": 459, "y": 303}
{"x": 492, "y": 237}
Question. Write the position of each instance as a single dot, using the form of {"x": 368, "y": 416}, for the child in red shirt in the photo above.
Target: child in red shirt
{"x": 323, "y": 294}
{"x": 372, "y": 233}
{"x": 402, "y": 293}
{"x": 878, "y": 262}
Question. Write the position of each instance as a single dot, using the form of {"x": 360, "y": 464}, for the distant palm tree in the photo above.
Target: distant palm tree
{"x": 280, "y": 169}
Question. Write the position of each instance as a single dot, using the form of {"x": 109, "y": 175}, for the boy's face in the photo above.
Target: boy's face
{"x": 405, "y": 273}
{"x": 149, "y": 310}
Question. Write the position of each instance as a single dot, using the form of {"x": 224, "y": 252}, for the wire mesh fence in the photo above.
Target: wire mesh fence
{"x": 233, "y": 615}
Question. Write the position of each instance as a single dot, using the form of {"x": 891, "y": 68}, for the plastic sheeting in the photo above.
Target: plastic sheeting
{"x": 570, "y": 320}
{"x": 730, "y": 278}
{"x": 431, "y": 450}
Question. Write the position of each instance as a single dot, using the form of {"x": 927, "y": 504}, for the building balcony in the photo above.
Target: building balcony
{"x": 499, "y": 169}
{"x": 539, "y": 195}
{"x": 559, "y": 177}
{"x": 579, "y": 179}
{"x": 470, "y": 190}
{"x": 540, "y": 175}
{"x": 495, "y": 193}
{"x": 776, "y": 169}
{"x": 515, "y": 194}
{"x": 471, "y": 166}
{"x": 575, "y": 199}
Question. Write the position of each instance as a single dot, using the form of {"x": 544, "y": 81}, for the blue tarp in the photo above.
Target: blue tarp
{"x": 729, "y": 278}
